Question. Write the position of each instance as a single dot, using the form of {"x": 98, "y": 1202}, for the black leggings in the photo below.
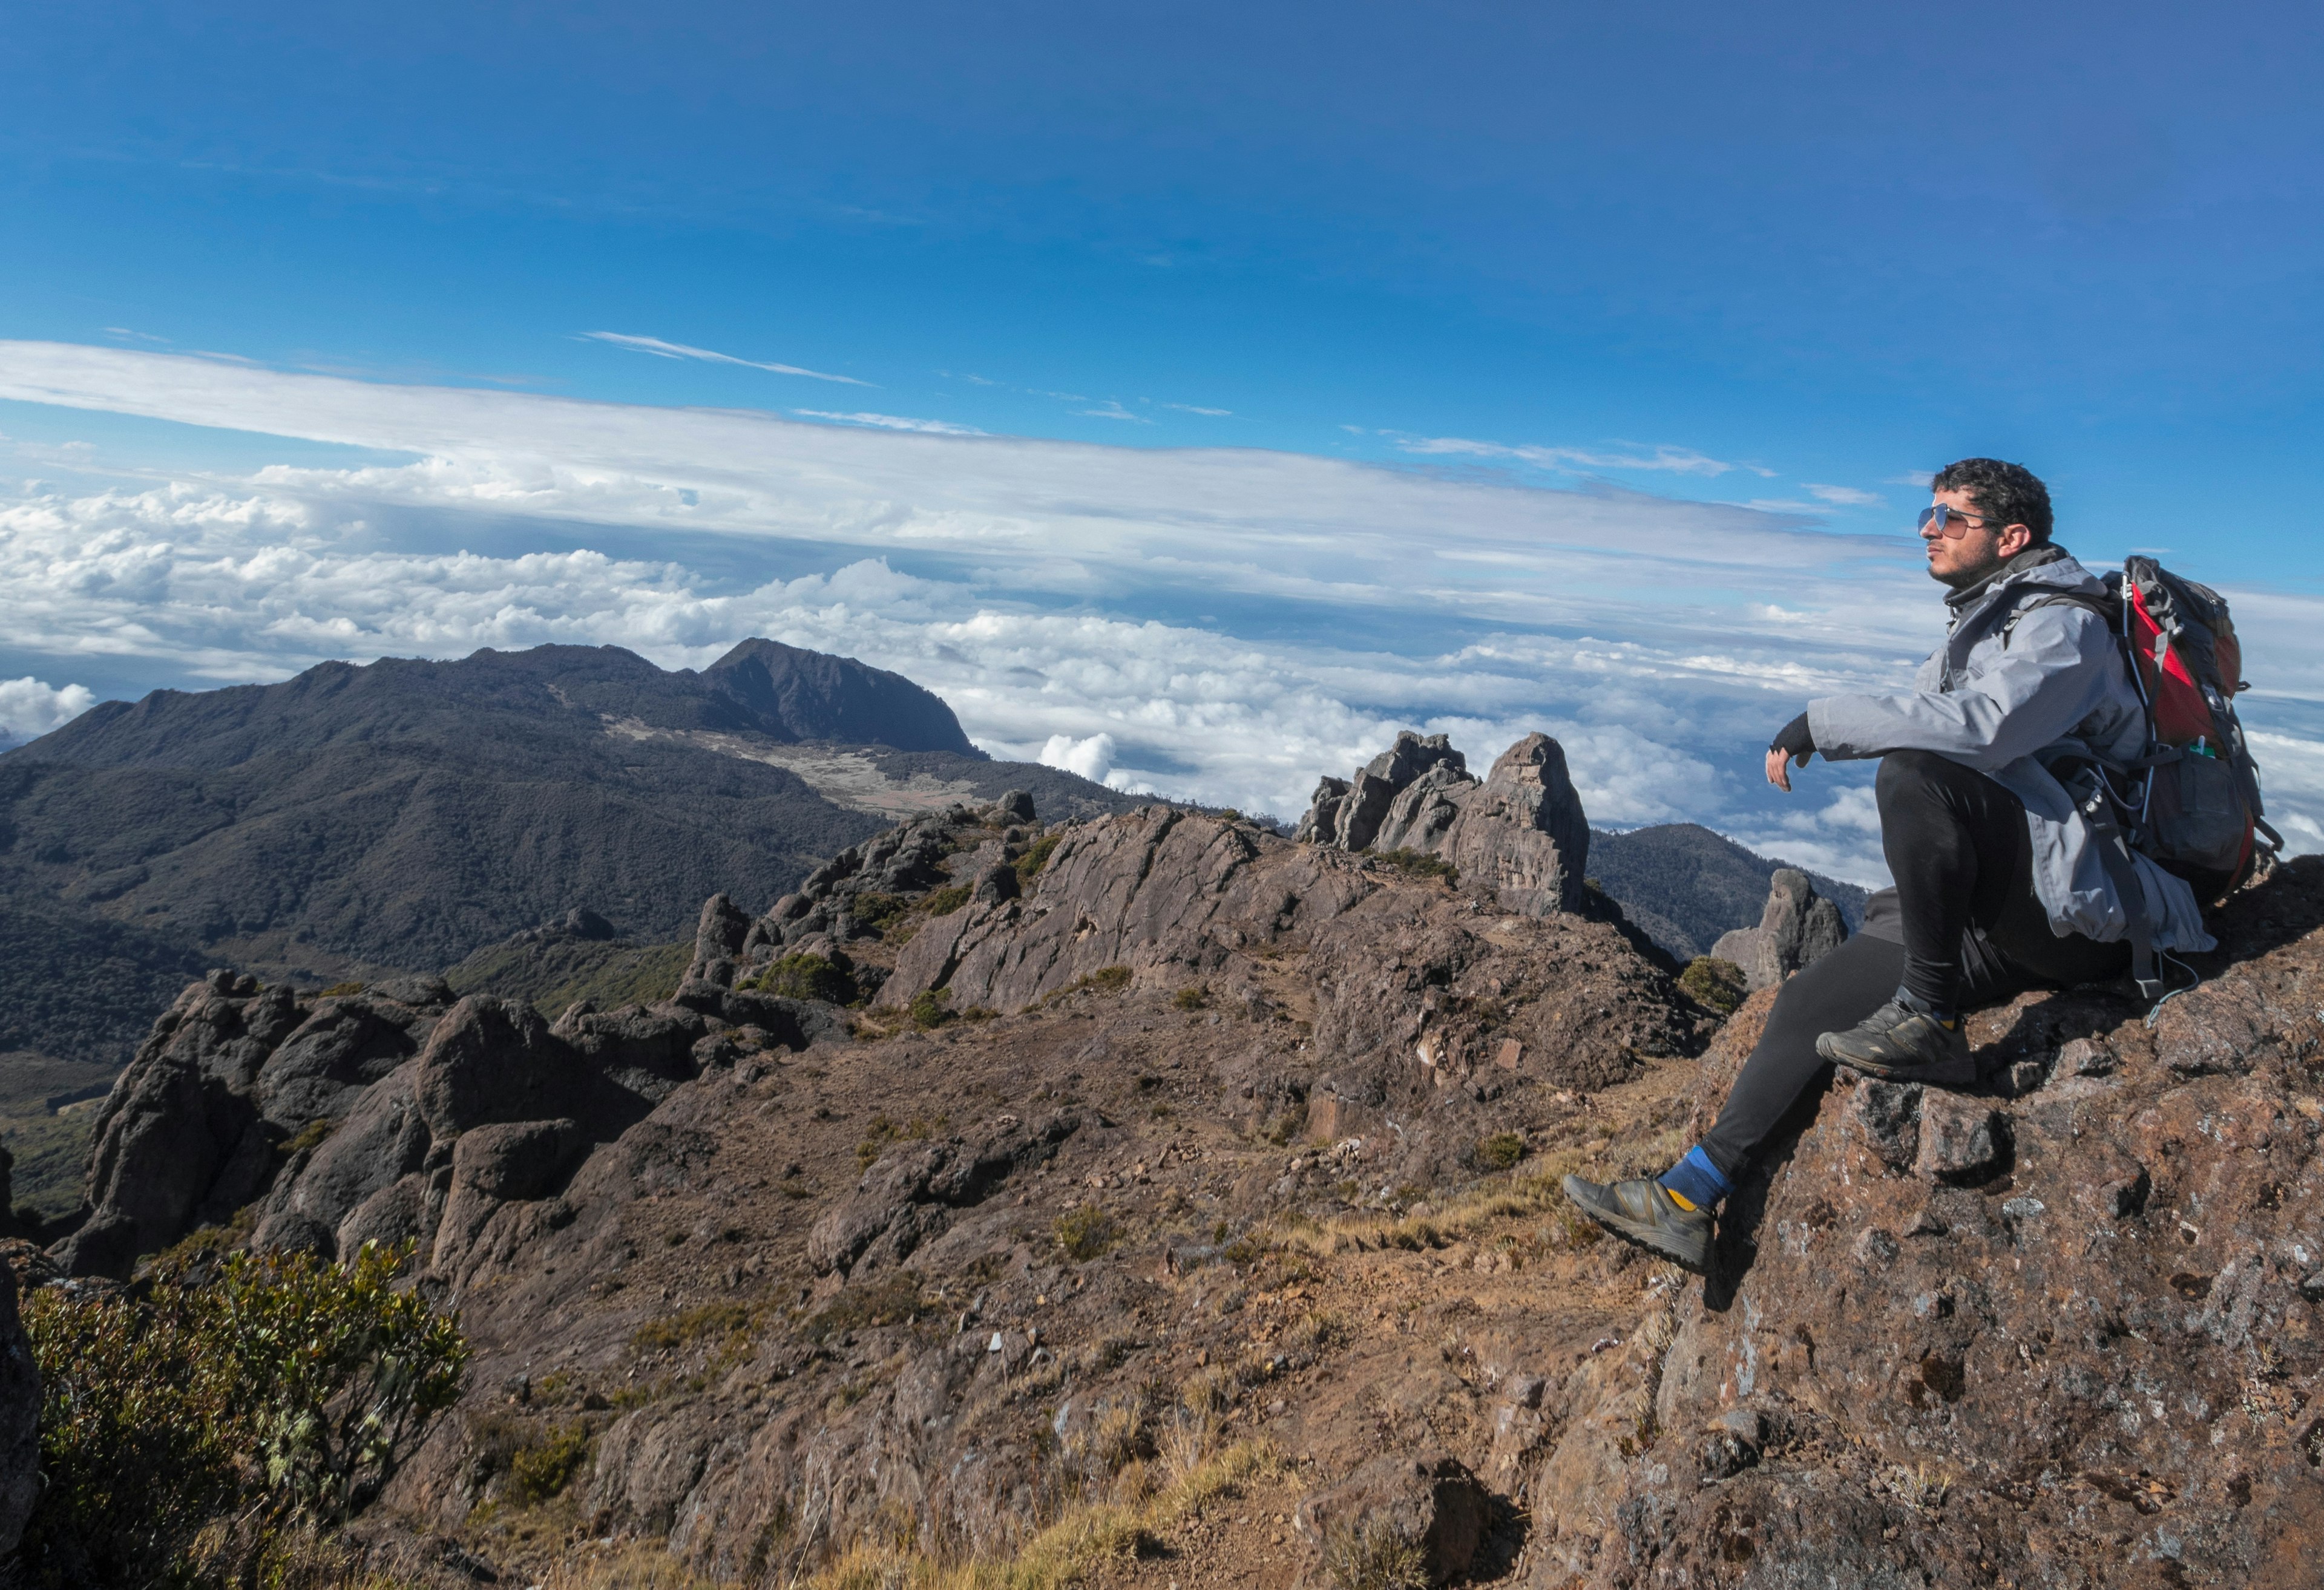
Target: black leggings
{"x": 1963, "y": 927}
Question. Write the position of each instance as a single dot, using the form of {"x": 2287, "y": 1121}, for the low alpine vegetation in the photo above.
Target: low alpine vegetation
{"x": 1714, "y": 984}
{"x": 190, "y": 1431}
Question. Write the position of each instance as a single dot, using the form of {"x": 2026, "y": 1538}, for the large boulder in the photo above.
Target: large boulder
{"x": 1525, "y": 835}
{"x": 1797, "y": 928}
{"x": 179, "y": 1138}
{"x": 901, "y": 1199}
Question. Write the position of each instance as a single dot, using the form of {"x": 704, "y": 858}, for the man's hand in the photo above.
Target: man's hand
{"x": 1793, "y": 740}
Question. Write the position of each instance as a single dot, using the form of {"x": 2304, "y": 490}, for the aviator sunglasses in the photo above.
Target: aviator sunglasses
{"x": 1951, "y": 522}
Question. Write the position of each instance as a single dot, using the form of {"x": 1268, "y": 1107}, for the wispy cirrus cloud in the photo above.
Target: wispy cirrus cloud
{"x": 933, "y": 428}
{"x": 1198, "y": 408}
{"x": 1671, "y": 460}
{"x": 664, "y": 350}
{"x": 1845, "y": 496}
{"x": 1111, "y": 409}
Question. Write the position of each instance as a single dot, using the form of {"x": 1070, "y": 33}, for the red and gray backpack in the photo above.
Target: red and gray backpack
{"x": 2191, "y": 801}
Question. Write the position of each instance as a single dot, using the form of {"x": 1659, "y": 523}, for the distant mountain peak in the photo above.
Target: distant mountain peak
{"x": 815, "y": 695}
{"x": 760, "y": 687}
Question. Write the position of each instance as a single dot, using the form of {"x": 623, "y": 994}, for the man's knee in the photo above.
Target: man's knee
{"x": 1912, "y": 776}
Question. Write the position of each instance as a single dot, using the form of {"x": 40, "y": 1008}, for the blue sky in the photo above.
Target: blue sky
{"x": 1541, "y": 267}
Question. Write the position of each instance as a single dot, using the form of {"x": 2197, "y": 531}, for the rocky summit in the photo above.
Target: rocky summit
{"x": 1152, "y": 1199}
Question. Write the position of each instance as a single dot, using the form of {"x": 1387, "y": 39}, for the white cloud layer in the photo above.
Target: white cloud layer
{"x": 1222, "y": 624}
{"x": 30, "y": 709}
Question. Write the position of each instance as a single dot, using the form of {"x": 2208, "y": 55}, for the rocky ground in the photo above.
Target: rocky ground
{"x": 1175, "y": 1207}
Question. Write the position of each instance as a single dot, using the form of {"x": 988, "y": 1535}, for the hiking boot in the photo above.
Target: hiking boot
{"x": 1645, "y": 1213}
{"x": 1900, "y": 1044}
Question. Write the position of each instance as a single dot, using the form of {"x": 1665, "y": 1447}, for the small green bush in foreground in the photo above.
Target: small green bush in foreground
{"x": 284, "y": 1389}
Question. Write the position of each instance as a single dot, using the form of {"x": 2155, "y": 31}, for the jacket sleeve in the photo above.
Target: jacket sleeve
{"x": 2056, "y": 669}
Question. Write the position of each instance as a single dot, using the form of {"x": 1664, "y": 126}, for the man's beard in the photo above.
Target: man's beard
{"x": 1962, "y": 579}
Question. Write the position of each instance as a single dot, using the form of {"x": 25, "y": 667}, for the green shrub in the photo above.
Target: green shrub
{"x": 1194, "y": 996}
{"x": 342, "y": 990}
{"x": 1714, "y": 984}
{"x": 1028, "y": 864}
{"x": 807, "y": 977}
{"x": 537, "y": 1472}
{"x": 1086, "y": 1233}
{"x": 286, "y": 1390}
{"x": 880, "y": 1131}
{"x": 677, "y": 1330}
{"x": 931, "y": 1007}
{"x": 1420, "y": 864}
{"x": 945, "y": 901}
{"x": 1501, "y": 1150}
{"x": 878, "y": 912}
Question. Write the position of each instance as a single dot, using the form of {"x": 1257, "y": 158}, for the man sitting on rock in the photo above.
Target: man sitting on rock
{"x": 2000, "y": 883}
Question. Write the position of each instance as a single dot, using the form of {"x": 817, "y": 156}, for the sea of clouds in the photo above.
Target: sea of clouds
{"x": 1219, "y": 624}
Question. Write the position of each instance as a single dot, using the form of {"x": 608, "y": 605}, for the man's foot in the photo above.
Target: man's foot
{"x": 1900, "y": 1044}
{"x": 1645, "y": 1213}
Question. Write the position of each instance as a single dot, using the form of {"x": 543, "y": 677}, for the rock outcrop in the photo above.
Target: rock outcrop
{"x": 1085, "y": 1060}
{"x": 1160, "y": 1148}
{"x": 1798, "y": 927}
{"x": 1521, "y": 832}
{"x": 20, "y": 1419}
{"x": 2068, "y": 1329}
{"x": 342, "y": 1118}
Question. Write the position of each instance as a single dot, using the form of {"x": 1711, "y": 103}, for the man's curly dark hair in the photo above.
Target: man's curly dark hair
{"x": 2007, "y": 494}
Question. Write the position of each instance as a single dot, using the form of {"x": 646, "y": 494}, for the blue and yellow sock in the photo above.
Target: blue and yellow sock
{"x": 1695, "y": 1182}
{"x": 1947, "y": 1016}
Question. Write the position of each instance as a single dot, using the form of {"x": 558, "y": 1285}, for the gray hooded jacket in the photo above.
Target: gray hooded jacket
{"x": 2010, "y": 700}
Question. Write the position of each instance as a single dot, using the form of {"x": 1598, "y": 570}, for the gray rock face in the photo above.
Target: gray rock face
{"x": 901, "y": 1200}
{"x": 833, "y": 902}
{"x": 1320, "y": 825}
{"x": 1798, "y": 927}
{"x": 345, "y": 1047}
{"x": 1520, "y": 832}
{"x": 1524, "y": 835}
{"x": 398, "y": 1076}
{"x": 20, "y": 1417}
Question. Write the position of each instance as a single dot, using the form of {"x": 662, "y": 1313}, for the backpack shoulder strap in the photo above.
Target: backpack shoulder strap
{"x": 2108, "y": 609}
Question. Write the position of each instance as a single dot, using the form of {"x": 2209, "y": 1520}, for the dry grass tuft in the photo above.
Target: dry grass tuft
{"x": 1086, "y": 1536}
